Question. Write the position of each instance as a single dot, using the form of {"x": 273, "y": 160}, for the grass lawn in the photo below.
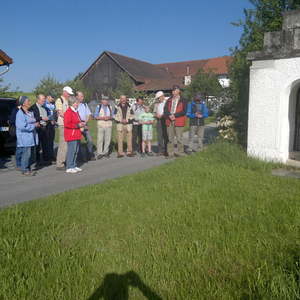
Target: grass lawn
{"x": 215, "y": 225}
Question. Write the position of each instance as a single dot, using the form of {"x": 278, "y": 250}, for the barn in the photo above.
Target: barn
{"x": 5, "y": 61}
{"x": 104, "y": 71}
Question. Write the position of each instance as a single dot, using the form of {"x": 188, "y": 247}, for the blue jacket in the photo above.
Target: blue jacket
{"x": 191, "y": 110}
{"x": 191, "y": 113}
{"x": 25, "y": 128}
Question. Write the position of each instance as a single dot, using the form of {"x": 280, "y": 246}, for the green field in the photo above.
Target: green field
{"x": 215, "y": 225}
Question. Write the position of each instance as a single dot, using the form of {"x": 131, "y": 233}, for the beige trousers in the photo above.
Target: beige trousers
{"x": 103, "y": 140}
{"x": 62, "y": 148}
{"x": 174, "y": 131}
{"x": 122, "y": 131}
{"x": 199, "y": 131}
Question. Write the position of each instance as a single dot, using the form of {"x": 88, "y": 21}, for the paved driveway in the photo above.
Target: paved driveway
{"x": 16, "y": 188}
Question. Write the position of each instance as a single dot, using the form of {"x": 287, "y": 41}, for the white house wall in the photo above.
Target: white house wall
{"x": 271, "y": 83}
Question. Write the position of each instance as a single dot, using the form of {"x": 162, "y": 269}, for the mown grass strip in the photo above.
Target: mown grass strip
{"x": 215, "y": 225}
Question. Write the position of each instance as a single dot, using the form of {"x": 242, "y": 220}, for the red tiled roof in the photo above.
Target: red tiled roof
{"x": 159, "y": 84}
{"x": 5, "y": 59}
{"x": 218, "y": 65}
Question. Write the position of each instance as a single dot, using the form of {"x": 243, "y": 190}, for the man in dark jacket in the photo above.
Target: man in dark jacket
{"x": 41, "y": 114}
{"x": 175, "y": 115}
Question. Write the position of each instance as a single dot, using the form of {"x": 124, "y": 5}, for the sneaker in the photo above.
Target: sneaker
{"x": 143, "y": 154}
{"x": 100, "y": 156}
{"x": 120, "y": 156}
{"x": 150, "y": 154}
{"x": 72, "y": 171}
{"x": 78, "y": 169}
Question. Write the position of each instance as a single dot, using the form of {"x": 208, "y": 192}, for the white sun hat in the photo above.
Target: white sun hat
{"x": 68, "y": 90}
{"x": 159, "y": 94}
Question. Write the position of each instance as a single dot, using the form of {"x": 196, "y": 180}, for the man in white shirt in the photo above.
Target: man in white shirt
{"x": 85, "y": 115}
{"x": 162, "y": 135}
{"x": 104, "y": 115}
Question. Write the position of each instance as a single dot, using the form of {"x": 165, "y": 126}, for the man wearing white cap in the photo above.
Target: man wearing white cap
{"x": 61, "y": 107}
{"x": 162, "y": 135}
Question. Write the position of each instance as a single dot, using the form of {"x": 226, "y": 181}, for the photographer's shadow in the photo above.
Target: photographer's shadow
{"x": 116, "y": 287}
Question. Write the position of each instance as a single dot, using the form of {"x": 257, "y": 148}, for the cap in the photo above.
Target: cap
{"x": 159, "y": 94}
{"x": 175, "y": 87}
{"x": 22, "y": 99}
{"x": 68, "y": 90}
{"x": 199, "y": 96}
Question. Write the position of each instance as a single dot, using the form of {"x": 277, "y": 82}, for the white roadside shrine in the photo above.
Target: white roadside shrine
{"x": 274, "y": 100}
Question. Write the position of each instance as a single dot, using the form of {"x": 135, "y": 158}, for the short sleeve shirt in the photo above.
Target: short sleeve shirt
{"x": 146, "y": 117}
{"x": 62, "y": 105}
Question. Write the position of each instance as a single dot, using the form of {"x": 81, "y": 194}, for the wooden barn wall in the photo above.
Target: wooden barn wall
{"x": 102, "y": 76}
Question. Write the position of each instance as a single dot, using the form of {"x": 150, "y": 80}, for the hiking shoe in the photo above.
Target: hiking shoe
{"x": 179, "y": 154}
{"x": 72, "y": 171}
{"x": 29, "y": 173}
{"x": 78, "y": 169}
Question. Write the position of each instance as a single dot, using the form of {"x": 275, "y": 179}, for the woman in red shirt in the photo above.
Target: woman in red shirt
{"x": 73, "y": 127}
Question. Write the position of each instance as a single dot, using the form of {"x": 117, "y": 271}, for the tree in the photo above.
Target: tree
{"x": 205, "y": 82}
{"x": 49, "y": 85}
{"x": 3, "y": 88}
{"x": 125, "y": 86}
{"x": 265, "y": 16}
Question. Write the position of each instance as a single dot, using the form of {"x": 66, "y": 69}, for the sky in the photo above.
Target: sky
{"x": 63, "y": 37}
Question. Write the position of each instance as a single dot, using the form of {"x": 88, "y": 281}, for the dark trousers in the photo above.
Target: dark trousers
{"x": 89, "y": 145}
{"x": 162, "y": 135}
{"x": 137, "y": 138}
{"x": 43, "y": 145}
{"x": 51, "y": 136}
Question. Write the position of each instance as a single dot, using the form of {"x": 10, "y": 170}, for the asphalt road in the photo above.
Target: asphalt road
{"x": 16, "y": 188}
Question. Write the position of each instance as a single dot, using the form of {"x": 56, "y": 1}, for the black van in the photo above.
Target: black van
{"x": 7, "y": 142}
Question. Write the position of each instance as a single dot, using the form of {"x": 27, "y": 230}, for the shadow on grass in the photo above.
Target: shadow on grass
{"x": 116, "y": 286}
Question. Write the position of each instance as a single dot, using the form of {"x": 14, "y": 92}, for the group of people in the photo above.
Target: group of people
{"x": 36, "y": 125}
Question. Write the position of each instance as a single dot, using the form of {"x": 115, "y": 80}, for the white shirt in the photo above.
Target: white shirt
{"x": 160, "y": 107}
{"x": 84, "y": 111}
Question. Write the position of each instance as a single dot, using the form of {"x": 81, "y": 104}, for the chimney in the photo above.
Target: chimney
{"x": 188, "y": 70}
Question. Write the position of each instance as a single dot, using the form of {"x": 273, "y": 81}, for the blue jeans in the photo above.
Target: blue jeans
{"x": 72, "y": 152}
{"x": 18, "y": 154}
{"x": 25, "y": 158}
